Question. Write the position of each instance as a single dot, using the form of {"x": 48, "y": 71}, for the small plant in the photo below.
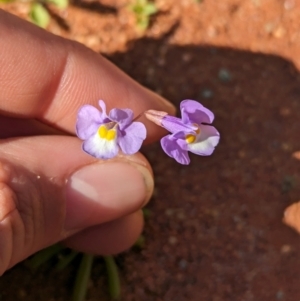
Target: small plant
{"x": 64, "y": 257}
{"x": 143, "y": 9}
{"x": 39, "y": 12}
{"x": 39, "y": 15}
{"x": 6, "y": 1}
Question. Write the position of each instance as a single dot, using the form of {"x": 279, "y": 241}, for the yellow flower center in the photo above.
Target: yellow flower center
{"x": 107, "y": 134}
{"x": 190, "y": 138}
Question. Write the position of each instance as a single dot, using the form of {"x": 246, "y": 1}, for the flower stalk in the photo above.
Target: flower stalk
{"x": 82, "y": 278}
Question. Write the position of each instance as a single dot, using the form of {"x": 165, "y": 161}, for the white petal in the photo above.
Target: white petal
{"x": 101, "y": 148}
{"x": 205, "y": 142}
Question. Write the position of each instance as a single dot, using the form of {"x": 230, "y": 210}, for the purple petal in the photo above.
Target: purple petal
{"x": 175, "y": 125}
{"x": 194, "y": 112}
{"x": 180, "y": 137}
{"x": 102, "y": 105}
{"x": 104, "y": 115}
{"x": 175, "y": 148}
{"x": 122, "y": 116}
{"x": 130, "y": 140}
{"x": 205, "y": 142}
{"x": 100, "y": 148}
{"x": 88, "y": 121}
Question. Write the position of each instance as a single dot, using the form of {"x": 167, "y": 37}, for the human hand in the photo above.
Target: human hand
{"x": 50, "y": 190}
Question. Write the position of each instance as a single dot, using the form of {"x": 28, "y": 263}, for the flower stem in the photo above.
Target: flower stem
{"x": 66, "y": 260}
{"x": 137, "y": 117}
{"x": 113, "y": 277}
{"x": 44, "y": 255}
{"x": 82, "y": 278}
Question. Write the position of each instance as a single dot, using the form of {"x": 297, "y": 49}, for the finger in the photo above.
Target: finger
{"x": 50, "y": 189}
{"x": 16, "y": 127}
{"x": 49, "y": 78}
{"x": 110, "y": 238}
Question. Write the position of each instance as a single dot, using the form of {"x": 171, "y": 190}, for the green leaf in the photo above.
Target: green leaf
{"x": 39, "y": 15}
{"x": 6, "y": 1}
{"x": 141, "y": 241}
{"x": 141, "y": 2}
{"x": 62, "y": 4}
{"x": 150, "y": 9}
{"x": 143, "y": 9}
{"x": 143, "y": 23}
{"x": 137, "y": 9}
{"x": 147, "y": 213}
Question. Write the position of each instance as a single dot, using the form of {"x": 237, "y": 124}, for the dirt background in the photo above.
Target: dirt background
{"x": 215, "y": 232}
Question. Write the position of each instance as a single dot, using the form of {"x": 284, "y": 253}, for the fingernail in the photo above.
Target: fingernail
{"x": 102, "y": 192}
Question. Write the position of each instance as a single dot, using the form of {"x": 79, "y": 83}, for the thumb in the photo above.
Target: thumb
{"x": 50, "y": 190}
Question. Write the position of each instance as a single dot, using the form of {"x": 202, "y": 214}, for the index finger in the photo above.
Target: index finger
{"x": 47, "y": 77}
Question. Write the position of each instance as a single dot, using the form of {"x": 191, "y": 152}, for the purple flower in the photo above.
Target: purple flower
{"x": 104, "y": 134}
{"x": 188, "y": 133}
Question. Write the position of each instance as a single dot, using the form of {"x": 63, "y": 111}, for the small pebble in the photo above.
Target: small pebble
{"x": 181, "y": 215}
{"x": 279, "y": 32}
{"x": 211, "y": 31}
{"x": 150, "y": 71}
{"x": 186, "y": 57}
{"x": 92, "y": 40}
{"x": 296, "y": 155}
{"x": 280, "y": 295}
{"x": 183, "y": 264}
{"x": 289, "y": 4}
{"x": 269, "y": 27}
{"x": 286, "y": 146}
{"x": 206, "y": 93}
{"x": 291, "y": 216}
{"x": 284, "y": 112}
{"x": 161, "y": 62}
{"x": 23, "y": 8}
{"x": 173, "y": 240}
{"x": 242, "y": 154}
{"x": 256, "y": 2}
{"x": 169, "y": 212}
{"x": 285, "y": 249}
{"x": 22, "y": 293}
{"x": 224, "y": 75}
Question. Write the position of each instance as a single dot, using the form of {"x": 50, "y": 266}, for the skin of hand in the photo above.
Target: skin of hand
{"x": 50, "y": 190}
